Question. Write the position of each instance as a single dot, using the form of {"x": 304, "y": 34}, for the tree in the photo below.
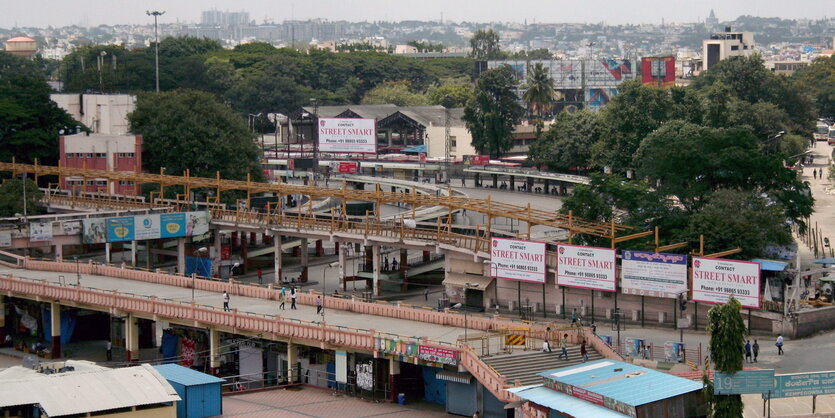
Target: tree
{"x": 426, "y": 46}
{"x": 186, "y": 129}
{"x": 394, "y": 92}
{"x": 567, "y": 144}
{"x": 11, "y": 197}
{"x": 818, "y": 80}
{"x": 459, "y": 91}
{"x": 540, "y": 93}
{"x": 485, "y": 45}
{"x": 186, "y": 46}
{"x": 494, "y": 112}
{"x": 727, "y": 342}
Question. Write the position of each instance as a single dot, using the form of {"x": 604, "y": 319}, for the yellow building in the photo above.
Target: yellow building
{"x": 22, "y": 46}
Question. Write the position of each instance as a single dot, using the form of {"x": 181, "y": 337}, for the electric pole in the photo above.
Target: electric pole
{"x": 156, "y": 14}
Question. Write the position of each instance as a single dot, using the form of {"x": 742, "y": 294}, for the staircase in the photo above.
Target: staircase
{"x": 523, "y": 367}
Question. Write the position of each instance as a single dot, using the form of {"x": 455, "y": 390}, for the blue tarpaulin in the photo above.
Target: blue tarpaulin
{"x": 68, "y": 322}
{"x": 169, "y": 347}
{"x": 770, "y": 265}
{"x": 417, "y": 149}
{"x": 202, "y": 266}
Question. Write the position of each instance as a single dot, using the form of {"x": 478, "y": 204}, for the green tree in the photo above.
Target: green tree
{"x": 494, "y": 112}
{"x": 186, "y": 46}
{"x": 540, "y": 90}
{"x": 426, "y": 46}
{"x": 727, "y": 342}
{"x": 567, "y": 144}
{"x": 11, "y": 197}
{"x": 485, "y": 45}
{"x": 394, "y": 92}
{"x": 186, "y": 129}
{"x": 818, "y": 80}
{"x": 458, "y": 90}
{"x": 539, "y": 54}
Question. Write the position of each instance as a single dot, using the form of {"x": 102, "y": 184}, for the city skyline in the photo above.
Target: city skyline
{"x": 40, "y": 13}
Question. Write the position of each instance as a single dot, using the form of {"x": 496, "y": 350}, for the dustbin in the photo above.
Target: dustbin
{"x": 401, "y": 398}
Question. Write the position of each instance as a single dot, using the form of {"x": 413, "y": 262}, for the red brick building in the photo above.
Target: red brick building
{"x": 101, "y": 152}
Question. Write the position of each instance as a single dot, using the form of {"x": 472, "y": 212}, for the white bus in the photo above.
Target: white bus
{"x": 821, "y": 131}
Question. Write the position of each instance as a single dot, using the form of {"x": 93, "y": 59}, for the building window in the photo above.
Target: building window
{"x": 734, "y": 47}
{"x": 101, "y": 155}
{"x": 101, "y": 182}
{"x": 130, "y": 155}
{"x": 121, "y": 155}
{"x": 88, "y": 155}
{"x": 70, "y": 155}
{"x": 89, "y": 182}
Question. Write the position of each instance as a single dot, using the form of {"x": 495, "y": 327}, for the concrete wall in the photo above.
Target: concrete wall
{"x": 436, "y": 141}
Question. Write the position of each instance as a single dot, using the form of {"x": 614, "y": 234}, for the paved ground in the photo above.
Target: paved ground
{"x": 314, "y": 402}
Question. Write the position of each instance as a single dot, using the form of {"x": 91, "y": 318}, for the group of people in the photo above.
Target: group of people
{"x": 386, "y": 265}
{"x": 282, "y": 299}
{"x": 546, "y": 347}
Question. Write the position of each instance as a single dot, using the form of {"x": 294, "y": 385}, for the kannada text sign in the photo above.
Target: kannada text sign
{"x": 653, "y": 274}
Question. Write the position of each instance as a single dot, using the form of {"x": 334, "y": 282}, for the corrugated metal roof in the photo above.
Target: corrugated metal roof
{"x": 618, "y": 380}
{"x": 185, "y": 376}
{"x": 566, "y": 404}
{"x": 79, "y": 392}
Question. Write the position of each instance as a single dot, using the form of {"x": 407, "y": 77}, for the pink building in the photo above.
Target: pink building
{"x": 101, "y": 152}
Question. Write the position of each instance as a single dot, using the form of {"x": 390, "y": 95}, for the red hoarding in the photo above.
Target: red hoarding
{"x": 348, "y": 167}
{"x": 658, "y": 71}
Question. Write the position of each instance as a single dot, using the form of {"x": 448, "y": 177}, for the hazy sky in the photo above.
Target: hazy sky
{"x": 41, "y": 13}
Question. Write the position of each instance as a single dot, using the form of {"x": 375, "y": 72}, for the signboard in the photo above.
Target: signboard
{"x": 714, "y": 280}
{"x": 5, "y": 240}
{"x": 674, "y": 351}
{"x": 575, "y": 74}
{"x": 658, "y": 71}
{"x": 172, "y": 225}
{"x": 743, "y": 381}
{"x": 347, "y": 167}
{"x": 653, "y": 274}
{"x": 365, "y": 375}
{"x": 120, "y": 229}
{"x": 518, "y": 260}
{"x": 197, "y": 223}
{"x": 71, "y": 227}
{"x": 586, "y": 267}
{"x": 634, "y": 346}
{"x": 40, "y": 231}
{"x": 341, "y": 366}
{"x": 147, "y": 227}
{"x": 438, "y": 355}
{"x": 585, "y": 395}
{"x": 347, "y": 135}
{"x": 803, "y": 384}
{"x": 95, "y": 231}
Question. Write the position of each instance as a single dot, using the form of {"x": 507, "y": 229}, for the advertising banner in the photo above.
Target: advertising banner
{"x": 71, "y": 227}
{"x": 586, "y": 267}
{"x": 634, "y": 347}
{"x": 5, "y": 239}
{"x": 438, "y": 355}
{"x": 40, "y": 231}
{"x": 172, "y": 225}
{"x": 120, "y": 229}
{"x": 95, "y": 231}
{"x": 653, "y": 274}
{"x": 518, "y": 260}
{"x": 347, "y": 167}
{"x": 147, "y": 227}
{"x": 743, "y": 381}
{"x": 347, "y": 135}
{"x": 674, "y": 351}
{"x": 714, "y": 280}
{"x": 197, "y": 223}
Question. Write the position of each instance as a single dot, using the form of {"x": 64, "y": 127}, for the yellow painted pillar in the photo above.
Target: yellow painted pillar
{"x": 292, "y": 360}
{"x": 55, "y": 320}
{"x": 131, "y": 338}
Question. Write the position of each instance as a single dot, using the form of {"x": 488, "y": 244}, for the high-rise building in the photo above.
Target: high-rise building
{"x": 212, "y": 18}
{"x": 726, "y": 44}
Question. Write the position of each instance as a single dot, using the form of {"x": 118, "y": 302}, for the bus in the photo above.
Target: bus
{"x": 821, "y": 132}
{"x": 831, "y": 138}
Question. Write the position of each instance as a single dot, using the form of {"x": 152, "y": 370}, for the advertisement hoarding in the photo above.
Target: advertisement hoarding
{"x": 659, "y": 71}
{"x": 714, "y": 280}
{"x": 172, "y": 225}
{"x": 653, "y": 274}
{"x": 674, "y": 351}
{"x": 518, "y": 260}
{"x": 197, "y": 223}
{"x": 438, "y": 355}
{"x": 586, "y": 267}
{"x": 5, "y": 239}
{"x": 347, "y": 167}
{"x": 40, "y": 231}
{"x": 95, "y": 231}
{"x": 347, "y": 135}
{"x": 72, "y": 227}
{"x": 147, "y": 227}
{"x": 120, "y": 229}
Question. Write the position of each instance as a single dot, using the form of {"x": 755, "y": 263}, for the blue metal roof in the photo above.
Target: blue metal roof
{"x": 770, "y": 265}
{"x": 185, "y": 376}
{"x": 416, "y": 148}
{"x": 619, "y": 380}
{"x": 566, "y": 404}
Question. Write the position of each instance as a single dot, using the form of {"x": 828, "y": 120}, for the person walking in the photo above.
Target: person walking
{"x": 225, "y": 301}
{"x": 426, "y": 293}
{"x": 109, "y": 350}
{"x": 260, "y": 276}
{"x": 748, "y": 352}
{"x": 293, "y": 298}
{"x": 546, "y": 346}
{"x": 573, "y": 316}
{"x": 756, "y": 349}
{"x": 583, "y": 351}
{"x": 779, "y": 344}
{"x": 386, "y": 263}
{"x": 814, "y": 174}
{"x": 318, "y": 304}
{"x": 281, "y": 299}
{"x": 564, "y": 347}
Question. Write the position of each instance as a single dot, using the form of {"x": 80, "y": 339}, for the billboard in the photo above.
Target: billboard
{"x": 197, "y": 223}
{"x": 715, "y": 279}
{"x": 575, "y": 74}
{"x": 347, "y": 135}
{"x": 40, "y": 231}
{"x": 658, "y": 71}
{"x": 95, "y": 231}
{"x": 120, "y": 229}
{"x": 345, "y": 167}
{"x": 518, "y": 260}
{"x": 653, "y": 274}
{"x": 172, "y": 225}
{"x": 586, "y": 267}
{"x": 5, "y": 239}
{"x": 147, "y": 227}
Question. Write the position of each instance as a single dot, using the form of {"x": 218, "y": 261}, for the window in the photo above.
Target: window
{"x": 70, "y": 155}
{"x": 130, "y": 155}
{"x": 101, "y": 182}
{"x": 89, "y": 182}
{"x": 101, "y": 155}
{"x": 88, "y": 155}
{"x": 121, "y": 155}
{"x": 734, "y": 47}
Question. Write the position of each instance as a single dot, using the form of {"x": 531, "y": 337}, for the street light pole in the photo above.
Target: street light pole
{"x": 315, "y": 137}
{"x": 156, "y": 14}
{"x": 77, "y": 271}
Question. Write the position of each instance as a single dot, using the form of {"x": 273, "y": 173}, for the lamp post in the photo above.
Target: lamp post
{"x": 156, "y": 14}
{"x": 315, "y": 137}
{"x": 459, "y": 306}
{"x": 77, "y": 271}
{"x": 324, "y": 274}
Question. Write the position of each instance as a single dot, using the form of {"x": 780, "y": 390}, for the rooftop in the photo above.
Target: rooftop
{"x": 185, "y": 376}
{"x": 21, "y": 39}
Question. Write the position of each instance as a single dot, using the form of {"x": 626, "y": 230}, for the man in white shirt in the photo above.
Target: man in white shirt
{"x": 226, "y": 302}
{"x": 779, "y": 344}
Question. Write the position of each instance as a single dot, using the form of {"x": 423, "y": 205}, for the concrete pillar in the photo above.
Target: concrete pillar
{"x": 253, "y": 238}
{"x": 303, "y": 260}
{"x": 133, "y": 253}
{"x": 343, "y": 266}
{"x": 217, "y": 246}
{"x": 181, "y": 255}
{"x": 495, "y": 181}
{"x": 214, "y": 351}
{"x": 320, "y": 249}
{"x": 512, "y": 182}
{"x": 404, "y": 263}
{"x": 131, "y": 338}
{"x": 529, "y": 185}
{"x": 107, "y": 249}
{"x": 244, "y": 254}
{"x": 234, "y": 238}
{"x": 59, "y": 252}
{"x": 277, "y": 259}
{"x": 375, "y": 263}
{"x": 662, "y": 316}
{"x": 427, "y": 256}
{"x": 394, "y": 378}
{"x": 547, "y": 186}
{"x": 55, "y": 320}
{"x": 292, "y": 359}
{"x": 336, "y": 247}
{"x": 2, "y": 318}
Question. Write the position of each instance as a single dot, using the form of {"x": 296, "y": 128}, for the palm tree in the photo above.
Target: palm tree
{"x": 540, "y": 94}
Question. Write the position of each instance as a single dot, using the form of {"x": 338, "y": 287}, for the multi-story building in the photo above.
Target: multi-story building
{"x": 101, "y": 152}
{"x": 725, "y": 45}
{"x": 103, "y": 113}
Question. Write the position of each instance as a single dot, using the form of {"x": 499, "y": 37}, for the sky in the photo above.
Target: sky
{"x": 42, "y": 13}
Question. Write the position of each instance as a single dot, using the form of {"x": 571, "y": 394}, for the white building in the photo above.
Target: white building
{"x": 103, "y": 113}
{"x": 725, "y": 45}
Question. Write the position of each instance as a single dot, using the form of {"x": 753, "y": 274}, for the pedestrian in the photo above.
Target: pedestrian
{"x": 756, "y": 348}
{"x": 260, "y": 276}
{"x": 583, "y": 351}
{"x": 463, "y": 183}
{"x": 109, "y": 350}
{"x": 394, "y": 265}
{"x": 426, "y": 293}
{"x": 820, "y": 173}
{"x": 748, "y": 352}
{"x": 293, "y": 298}
{"x": 386, "y": 264}
{"x": 573, "y": 316}
{"x": 564, "y": 347}
{"x": 779, "y": 344}
{"x": 593, "y": 328}
{"x": 225, "y": 301}
{"x": 318, "y": 304}
{"x": 281, "y": 299}
{"x": 814, "y": 173}
{"x": 546, "y": 347}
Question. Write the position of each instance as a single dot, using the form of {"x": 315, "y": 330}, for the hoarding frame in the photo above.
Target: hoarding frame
{"x": 495, "y": 267}
{"x": 637, "y": 290}
{"x": 694, "y": 290}
{"x": 614, "y": 269}
{"x": 332, "y": 149}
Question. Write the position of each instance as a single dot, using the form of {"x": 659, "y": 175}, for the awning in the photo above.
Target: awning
{"x": 416, "y": 149}
{"x": 771, "y": 265}
{"x": 828, "y": 260}
{"x": 454, "y": 377}
{"x": 561, "y": 402}
{"x": 470, "y": 281}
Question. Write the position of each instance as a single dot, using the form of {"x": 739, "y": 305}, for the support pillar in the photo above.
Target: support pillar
{"x": 181, "y": 255}
{"x": 336, "y": 247}
{"x": 529, "y": 185}
{"x": 214, "y": 351}
{"x": 2, "y": 318}
{"x": 512, "y": 182}
{"x": 244, "y": 254}
{"x": 427, "y": 256}
{"x": 343, "y": 266}
{"x": 547, "y": 186}
{"x": 55, "y": 320}
{"x": 303, "y": 260}
{"x": 404, "y": 263}
{"x": 394, "y": 378}
{"x": 234, "y": 238}
{"x": 253, "y": 238}
{"x": 495, "y": 181}
{"x": 107, "y": 248}
{"x": 59, "y": 252}
{"x": 292, "y": 362}
{"x": 131, "y": 338}
{"x": 218, "y": 251}
{"x": 375, "y": 255}
{"x": 133, "y": 253}
{"x": 277, "y": 277}
{"x": 320, "y": 250}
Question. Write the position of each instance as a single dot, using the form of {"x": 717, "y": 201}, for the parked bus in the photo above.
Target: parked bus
{"x": 821, "y": 131}
{"x": 831, "y": 137}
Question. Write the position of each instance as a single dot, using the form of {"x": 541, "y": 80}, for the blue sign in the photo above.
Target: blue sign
{"x": 606, "y": 339}
{"x": 743, "y": 381}
{"x": 802, "y": 384}
{"x": 172, "y": 225}
{"x": 120, "y": 229}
